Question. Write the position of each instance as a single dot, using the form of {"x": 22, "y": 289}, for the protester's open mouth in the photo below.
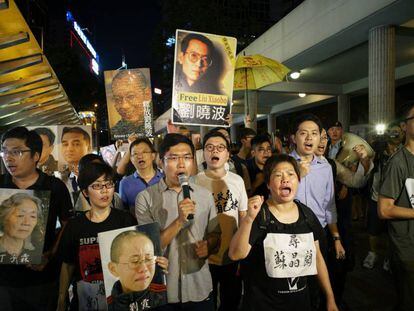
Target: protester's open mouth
{"x": 285, "y": 191}
{"x": 105, "y": 198}
{"x": 308, "y": 146}
{"x": 215, "y": 159}
{"x": 321, "y": 148}
{"x": 141, "y": 162}
{"x": 11, "y": 168}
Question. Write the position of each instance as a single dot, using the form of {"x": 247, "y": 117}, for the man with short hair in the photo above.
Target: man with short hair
{"x": 230, "y": 199}
{"x": 132, "y": 95}
{"x": 316, "y": 189}
{"x": 246, "y": 136}
{"x": 32, "y": 287}
{"x": 396, "y": 204}
{"x": 335, "y": 132}
{"x": 261, "y": 151}
{"x": 75, "y": 143}
{"x": 188, "y": 242}
{"x": 47, "y": 162}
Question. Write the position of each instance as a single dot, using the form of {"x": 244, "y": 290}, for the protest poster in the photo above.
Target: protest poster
{"x": 129, "y": 102}
{"x": 48, "y": 162}
{"x": 132, "y": 278}
{"x": 23, "y": 219}
{"x": 203, "y": 78}
{"x": 74, "y": 141}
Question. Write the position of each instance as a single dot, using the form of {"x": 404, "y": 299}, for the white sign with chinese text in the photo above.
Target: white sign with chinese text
{"x": 289, "y": 255}
{"x": 409, "y": 186}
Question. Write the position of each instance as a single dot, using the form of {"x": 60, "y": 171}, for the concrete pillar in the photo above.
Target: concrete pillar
{"x": 271, "y": 124}
{"x": 252, "y": 109}
{"x": 344, "y": 111}
{"x": 233, "y": 133}
{"x": 381, "y": 74}
{"x": 203, "y": 131}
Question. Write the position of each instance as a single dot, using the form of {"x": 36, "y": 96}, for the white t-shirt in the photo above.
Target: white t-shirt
{"x": 230, "y": 198}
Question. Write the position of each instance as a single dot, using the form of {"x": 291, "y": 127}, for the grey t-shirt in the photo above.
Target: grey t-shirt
{"x": 401, "y": 231}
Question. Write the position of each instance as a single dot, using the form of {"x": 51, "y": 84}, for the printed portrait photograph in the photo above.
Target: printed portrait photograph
{"x": 129, "y": 102}
{"x": 133, "y": 280}
{"x": 203, "y": 78}
{"x": 74, "y": 141}
{"x": 48, "y": 162}
{"x": 23, "y": 219}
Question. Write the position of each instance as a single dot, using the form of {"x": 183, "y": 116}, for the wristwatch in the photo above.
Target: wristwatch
{"x": 336, "y": 238}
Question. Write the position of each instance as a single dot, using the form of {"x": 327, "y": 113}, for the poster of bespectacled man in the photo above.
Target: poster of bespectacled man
{"x": 133, "y": 277}
{"x": 129, "y": 102}
{"x": 203, "y": 78}
{"x": 23, "y": 219}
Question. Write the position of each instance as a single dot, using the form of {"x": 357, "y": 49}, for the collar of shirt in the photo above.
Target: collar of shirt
{"x": 8, "y": 181}
{"x": 315, "y": 160}
{"x": 158, "y": 173}
{"x": 162, "y": 185}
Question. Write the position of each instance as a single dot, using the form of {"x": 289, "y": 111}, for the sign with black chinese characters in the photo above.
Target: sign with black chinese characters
{"x": 129, "y": 102}
{"x": 130, "y": 263}
{"x": 289, "y": 255}
{"x": 203, "y": 78}
{"x": 23, "y": 219}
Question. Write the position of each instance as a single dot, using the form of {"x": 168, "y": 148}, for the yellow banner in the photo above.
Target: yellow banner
{"x": 200, "y": 98}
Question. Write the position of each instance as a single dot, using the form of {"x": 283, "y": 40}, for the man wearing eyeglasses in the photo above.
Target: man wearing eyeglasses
{"x": 396, "y": 204}
{"x": 187, "y": 243}
{"x": 32, "y": 287}
{"x": 230, "y": 198}
{"x": 131, "y": 94}
{"x": 142, "y": 155}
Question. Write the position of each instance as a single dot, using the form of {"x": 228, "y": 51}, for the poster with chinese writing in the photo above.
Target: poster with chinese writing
{"x": 203, "y": 78}
{"x": 129, "y": 102}
{"x": 133, "y": 276}
{"x": 23, "y": 219}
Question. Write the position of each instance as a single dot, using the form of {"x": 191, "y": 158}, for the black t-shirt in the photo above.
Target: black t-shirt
{"x": 263, "y": 292}
{"x": 79, "y": 246}
{"x": 60, "y": 206}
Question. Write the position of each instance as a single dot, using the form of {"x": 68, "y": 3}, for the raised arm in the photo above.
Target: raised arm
{"x": 239, "y": 245}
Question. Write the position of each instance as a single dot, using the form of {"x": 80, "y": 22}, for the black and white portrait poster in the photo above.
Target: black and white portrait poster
{"x": 23, "y": 219}
{"x": 203, "y": 78}
{"x": 133, "y": 280}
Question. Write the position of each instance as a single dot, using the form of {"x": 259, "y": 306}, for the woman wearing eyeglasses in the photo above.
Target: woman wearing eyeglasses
{"x": 79, "y": 245}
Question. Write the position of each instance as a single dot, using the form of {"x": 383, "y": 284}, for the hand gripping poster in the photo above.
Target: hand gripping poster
{"x": 133, "y": 268}
{"x": 129, "y": 102}
{"x": 23, "y": 219}
{"x": 203, "y": 78}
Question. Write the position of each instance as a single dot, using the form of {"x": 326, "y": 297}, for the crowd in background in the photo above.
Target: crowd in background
{"x": 265, "y": 227}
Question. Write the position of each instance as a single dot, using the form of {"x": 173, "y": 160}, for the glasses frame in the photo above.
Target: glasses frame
{"x": 136, "y": 154}
{"x": 107, "y": 186}
{"x": 18, "y": 153}
{"x": 176, "y": 159}
{"x": 203, "y": 59}
{"x": 211, "y": 147}
{"x": 133, "y": 264}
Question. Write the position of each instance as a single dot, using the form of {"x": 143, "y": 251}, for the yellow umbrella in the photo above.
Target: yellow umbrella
{"x": 256, "y": 71}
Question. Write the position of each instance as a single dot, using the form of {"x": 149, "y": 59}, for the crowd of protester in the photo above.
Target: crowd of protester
{"x": 265, "y": 228}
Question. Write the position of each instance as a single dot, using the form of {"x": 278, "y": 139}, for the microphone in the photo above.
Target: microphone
{"x": 183, "y": 179}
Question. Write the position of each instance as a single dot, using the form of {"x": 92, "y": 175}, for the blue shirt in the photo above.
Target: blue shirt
{"x": 316, "y": 190}
{"x": 334, "y": 149}
{"x": 131, "y": 185}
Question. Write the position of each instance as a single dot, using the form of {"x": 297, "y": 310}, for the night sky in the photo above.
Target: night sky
{"x": 120, "y": 27}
